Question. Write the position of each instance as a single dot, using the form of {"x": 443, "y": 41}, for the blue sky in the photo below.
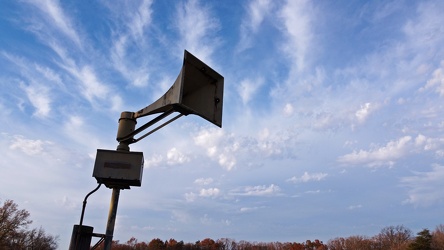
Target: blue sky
{"x": 332, "y": 126}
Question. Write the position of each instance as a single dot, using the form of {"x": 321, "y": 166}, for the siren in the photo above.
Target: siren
{"x": 198, "y": 90}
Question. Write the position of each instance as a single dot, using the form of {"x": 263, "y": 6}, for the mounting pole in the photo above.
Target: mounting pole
{"x": 111, "y": 218}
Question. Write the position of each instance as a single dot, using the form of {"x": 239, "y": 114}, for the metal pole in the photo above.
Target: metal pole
{"x": 111, "y": 218}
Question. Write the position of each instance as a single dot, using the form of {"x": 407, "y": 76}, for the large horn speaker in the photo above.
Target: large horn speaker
{"x": 197, "y": 90}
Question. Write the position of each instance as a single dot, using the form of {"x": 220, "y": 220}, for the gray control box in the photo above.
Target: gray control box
{"x": 118, "y": 169}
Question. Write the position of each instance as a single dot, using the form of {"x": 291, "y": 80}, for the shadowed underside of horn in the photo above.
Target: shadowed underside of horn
{"x": 197, "y": 90}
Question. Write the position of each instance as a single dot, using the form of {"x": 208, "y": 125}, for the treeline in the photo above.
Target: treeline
{"x": 210, "y": 244}
{"x": 390, "y": 238}
{"x": 14, "y": 231}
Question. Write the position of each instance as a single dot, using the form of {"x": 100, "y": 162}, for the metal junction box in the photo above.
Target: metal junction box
{"x": 118, "y": 169}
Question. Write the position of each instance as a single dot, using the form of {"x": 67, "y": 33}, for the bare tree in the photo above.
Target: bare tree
{"x": 438, "y": 238}
{"x": 14, "y": 233}
{"x": 350, "y": 243}
{"x": 12, "y": 221}
{"x": 393, "y": 238}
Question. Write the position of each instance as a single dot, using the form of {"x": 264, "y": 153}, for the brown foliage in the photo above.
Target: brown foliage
{"x": 438, "y": 238}
{"x": 14, "y": 233}
{"x": 392, "y": 237}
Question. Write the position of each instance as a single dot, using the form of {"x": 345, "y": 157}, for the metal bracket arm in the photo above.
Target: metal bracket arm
{"x": 127, "y": 132}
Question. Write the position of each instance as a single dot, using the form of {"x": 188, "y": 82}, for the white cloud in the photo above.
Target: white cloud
{"x": 116, "y": 103}
{"x": 181, "y": 216}
{"x": 206, "y": 220}
{"x": 437, "y": 81}
{"x": 196, "y": 25}
{"x": 227, "y": 161}
{"x": 297, "y": 19}
{"x": 258, "y": 190}
{"x": 92, "y": 86}
{"x": 248, "y": 209}
{"x": 288, "y": 109}
{"x": 131, "y": 29}
{"x": 209, "y": 138}
{"x": 229, "y": 149}
{"x": 79, "y": 131}
{"x": 385, "y": 155}
{"x": 424, "y": 143}
{"x": 217, "y": 146}
{"x": 52, "y": 10}
{"x": 313, "y": 191}
{"x": 365, "y": 110}
{"x": 248, "y": 88}
{"x": 141, "y": 18}
{"x": 425, "y": 188}
{"x": 38, "y": 95}
{"x": 209, "y": 192}
{"x": 137, "y": 75}
{"x": 153, "y": 161}
{"x": 257, "y": 11}
{"x": 306, "y": 177}
{"x": 174, "y": 157}
{"x": 353, "y": 207}
{"x": 49, "y": 74}
{"x": 28, "y": 146}
{"x": 204, "y": 181}
{"x": 190, "y": 197}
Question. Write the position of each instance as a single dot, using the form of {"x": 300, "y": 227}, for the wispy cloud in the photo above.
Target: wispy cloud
{"x": 175, "y": 157}
{"x": 249, "y": 209}
{"x": 153, "y": 160}
{"x": 197, "y": 28}
{"x": 28, "y": 146}
{"x": 131, "y": 29}
{"x": 214, "y": 142}
{"x": 379, "y": 156}
{"x": 38, "y": 95}
{"x": 140, "y": 19}
{"x": 204, "y": 181}
{"x": 202, "y": 193}
{"x": 394, "y": 150}
{"x": 261, "y": 190}
{"x": 248, "y": 88}
{"x": 354, "y": 207}
{"x": 37, "y": 83}
{"x": 75, "y": 128}
{"x": 56, "y": 20}
{"x": 365, "y": 110}
{"x": 437, "y": 81}
{"x": 425, "y": 187}
{"x": 209, "y": 192}
{"x": 306, "y": 177}
{"x": 297, "y": 21}
{"x": 257, "y": 11}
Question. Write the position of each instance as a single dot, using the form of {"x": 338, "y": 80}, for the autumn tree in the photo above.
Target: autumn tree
{"x": 393, "y": 238}
{"x": 173, "y": 244}
{"x": 208, "y": 244}
{"x": 290, "y": 246}
{"x": 156, "y": 244}
{"x": 438, "y": 238}
{"x": 14, "y": 233}
{"x": 352, "y": 242}
{"x": 315, "y": 245}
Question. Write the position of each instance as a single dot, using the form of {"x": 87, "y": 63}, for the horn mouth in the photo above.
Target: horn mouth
{"x": 197, "y": 90}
